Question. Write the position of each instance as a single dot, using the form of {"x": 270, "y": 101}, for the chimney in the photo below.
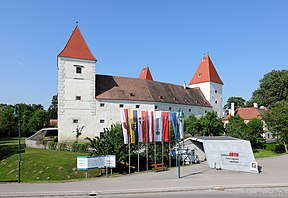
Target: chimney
{"x": 255, "y": 105}
{"x": 184, "y": 85}
{"x": 232, "y": 109}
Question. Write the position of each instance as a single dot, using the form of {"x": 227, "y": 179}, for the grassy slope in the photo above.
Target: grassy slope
{"x": 39, "y": 164}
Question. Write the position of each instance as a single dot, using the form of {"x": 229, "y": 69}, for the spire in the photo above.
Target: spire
{"x": 206, "y": 72}
{"x": 76, "y": 47}
{"x": 146, "y": 74}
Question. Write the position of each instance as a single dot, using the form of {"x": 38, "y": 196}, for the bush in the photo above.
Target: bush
{"x": 52, "y": 145}
{"x": 279, "y": 148}
{"x": 63, "y": 147}
{"x": 80, "y": 147}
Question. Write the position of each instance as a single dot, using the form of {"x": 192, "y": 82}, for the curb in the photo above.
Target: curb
{"x": 142, "y": 191}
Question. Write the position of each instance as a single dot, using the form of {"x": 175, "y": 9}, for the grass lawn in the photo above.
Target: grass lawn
{"x": 38, "y": 165}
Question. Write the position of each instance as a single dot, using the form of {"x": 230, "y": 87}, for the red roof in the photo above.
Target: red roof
{"x": 248, "y": 113}
{"x": 146, "y": 74}
{"x": 206, "y": 72}
{"x": 76, "y": 47}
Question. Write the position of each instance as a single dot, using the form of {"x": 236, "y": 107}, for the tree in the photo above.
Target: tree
{"x": 273, "y": 88}
{"x": 191, "y": 125}
{"x": 38, "y": 120}
{"x": 276, "y": 119}
{"x": 111, "y": 143}
{"x": 53, "y": 108}
{"x": 211, "y": 125}
{"x": 238, "y": 102}
{"x": 251, "y": 131}
{"x": 78, "y": 132}
{"x": 8, "y": 123}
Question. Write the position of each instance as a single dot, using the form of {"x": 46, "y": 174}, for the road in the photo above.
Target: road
{"x": 193, "y": 179}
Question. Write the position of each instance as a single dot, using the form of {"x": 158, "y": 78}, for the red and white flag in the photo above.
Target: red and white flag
{"x": 151, "y": 125}
{"x": 124, "y": 114}
{"x": 157, "y": 127}
{"x": 166, "y": 131}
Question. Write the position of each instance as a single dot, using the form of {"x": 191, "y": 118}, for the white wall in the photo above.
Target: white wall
{"x": 213, "y": 94}
{"x": 70, "y": 85}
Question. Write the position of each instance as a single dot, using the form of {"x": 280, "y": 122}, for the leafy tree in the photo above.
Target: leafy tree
{"x": 53, "y": 108}
{"x": 191, "y": 125}
{"x": 273, "y": 88}
{"x": 238, "y": 102}
{"x": 236, "y": 127}
{"x": 251, "y": 131}
{"x": 276, "y": 119}
{"x": 8, "y": 123}
{"x": 78, "y": 132}
{"x": 255, "y": 132}
{"x": 111, "y": 143}
{"x": 38, "y": 120}
{"x": 211, "y": 125}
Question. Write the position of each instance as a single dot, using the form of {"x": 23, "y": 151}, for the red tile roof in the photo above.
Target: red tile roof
{"x": 135, "y": 89}
{"x": 53, "y": 122}
{"x": 76, "y": 47}
{"x": 248, "y": 113}
{"x": 146, "y": 74}
{"x": 206, "y": 72}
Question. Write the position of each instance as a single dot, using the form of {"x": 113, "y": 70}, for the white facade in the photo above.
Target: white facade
{"x": 213, "y": 94}
{"x": 76, "y": 98}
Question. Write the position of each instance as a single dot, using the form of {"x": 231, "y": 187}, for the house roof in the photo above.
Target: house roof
{"x": 135, "y": 89}
{"x": 248, "y": 113}
{"x": 206, "y": 72}
{"x": 76, "y": 47}
{"x": 146, "y": 74}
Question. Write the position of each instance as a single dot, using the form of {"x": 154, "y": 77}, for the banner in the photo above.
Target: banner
{"x": 135, "y": 121}
{"x": 144, "y": 119}
{"x": 180, "y": 117}
{"x": 174, "y": 124}
{"x": 132, "y": 128}
{"x": 125, "y": 124}
{"x": 151, "y": 125}
{"x": 158, "y": 126}
{"x": 165, "y": 120}
{"x": 140, "y": 133}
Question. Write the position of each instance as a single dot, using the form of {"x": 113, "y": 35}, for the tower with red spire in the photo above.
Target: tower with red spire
{"x": 76, "y": 89}
{"x": 209, "y": 82}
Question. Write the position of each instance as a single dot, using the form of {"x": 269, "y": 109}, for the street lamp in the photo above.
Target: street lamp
{"x": 17, "y": 114}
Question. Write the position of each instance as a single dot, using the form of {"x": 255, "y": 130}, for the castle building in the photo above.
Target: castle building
{"x": 93, "y": 101}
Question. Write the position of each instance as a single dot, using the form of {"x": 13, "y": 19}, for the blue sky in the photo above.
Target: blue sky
{"x": 245, "y": 40}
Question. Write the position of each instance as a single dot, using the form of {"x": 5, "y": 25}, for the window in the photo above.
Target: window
{"x": 189, "y": 110}
{"x": 216, "y": 91}
{"x": 156, "y": 107}
{"x": 205, "y": 111}
{"x": 137, "y": 106}
{"x": 121, "y": 105}
{"x": 102, "y": 104}
{"x": 102, "y": 121}
{"x": 75, "y": 121}
{"x": 78, "y": 97}
{"x": 170, "y": 108}
{"x": 216, "y": 101}
{"x": 78, "y": 70}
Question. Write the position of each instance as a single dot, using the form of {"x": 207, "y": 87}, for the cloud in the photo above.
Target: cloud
{"x": 20, "y": 63}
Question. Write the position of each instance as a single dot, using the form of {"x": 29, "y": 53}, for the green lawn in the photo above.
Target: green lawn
{"x": 38, "y": 165}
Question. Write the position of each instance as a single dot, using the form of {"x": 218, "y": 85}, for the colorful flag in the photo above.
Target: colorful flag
{"x": 144, "y": 117}
{"x": 135, "y": 121}
{"x": 132, "y": 128}
{"x": 151, "y": 125}
{"x": 180, "y": 117}
{"x": 174, "y": 124}
{"x": 140, "y": 135}
{"x": 158, "y": 126}
{"x": 124, "y": 114}
{"x": 165, "y": 120}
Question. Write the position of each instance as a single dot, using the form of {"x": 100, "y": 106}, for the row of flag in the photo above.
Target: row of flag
{"x": 150, "y": 126}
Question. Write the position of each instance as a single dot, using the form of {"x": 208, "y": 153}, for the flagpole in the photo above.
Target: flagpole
{"x": 162, "y": 152}
{"x": 138, "y": 156}
{"x": 154, "y": 151}
{"x": 129, "y": 159}
{"x": 169, "y": 155}
{"x": 147, "y": 131}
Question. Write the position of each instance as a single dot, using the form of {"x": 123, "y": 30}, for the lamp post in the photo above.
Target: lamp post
{"x": 17, "y": 114}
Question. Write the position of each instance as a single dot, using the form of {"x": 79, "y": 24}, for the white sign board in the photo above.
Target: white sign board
{"x": 87, "y": 162}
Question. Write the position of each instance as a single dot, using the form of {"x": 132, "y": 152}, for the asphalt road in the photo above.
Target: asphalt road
{"x": 194, "y": 178}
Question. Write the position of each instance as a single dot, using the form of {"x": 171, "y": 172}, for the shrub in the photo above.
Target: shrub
{"x": 52, "y": 145}
{"x": 80, "y": 147}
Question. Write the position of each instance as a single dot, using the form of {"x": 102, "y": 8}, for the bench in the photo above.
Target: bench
{"x": 159, "y": 167}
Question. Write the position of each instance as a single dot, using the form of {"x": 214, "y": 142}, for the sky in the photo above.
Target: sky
{"x": 245, "y": 40}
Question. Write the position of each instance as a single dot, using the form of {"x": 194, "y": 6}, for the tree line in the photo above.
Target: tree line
{"x": 33, "y": 117}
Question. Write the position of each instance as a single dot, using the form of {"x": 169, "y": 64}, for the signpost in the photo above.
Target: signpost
{"x": 90, "y": 162}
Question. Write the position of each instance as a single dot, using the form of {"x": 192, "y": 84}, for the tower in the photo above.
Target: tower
{"x": 76, "y": 89}
{"x": 209, "y": 82}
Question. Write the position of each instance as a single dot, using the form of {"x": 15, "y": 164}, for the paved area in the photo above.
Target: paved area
{"x": 195, "y": 177}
